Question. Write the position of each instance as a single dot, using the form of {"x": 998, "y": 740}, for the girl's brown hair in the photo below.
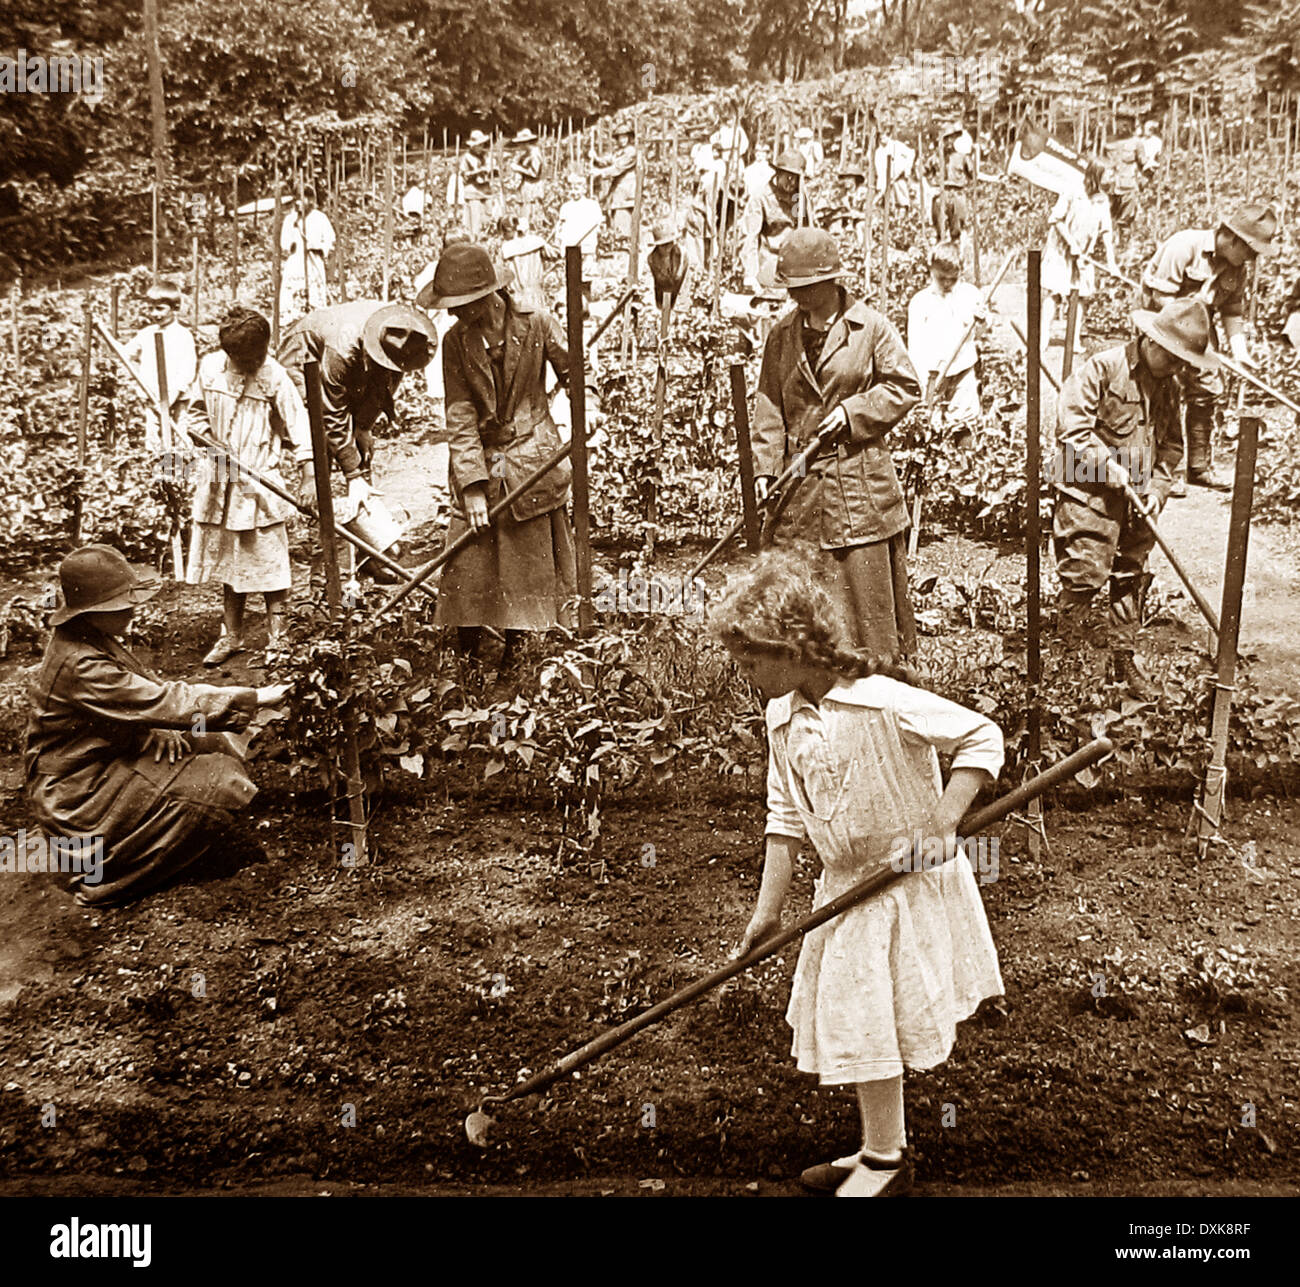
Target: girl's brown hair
{"x": 779, "y": 607}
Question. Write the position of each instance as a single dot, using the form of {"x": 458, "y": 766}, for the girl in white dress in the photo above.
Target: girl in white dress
{"x": 853, "y": 769}
{"x": 1078, "y": 226}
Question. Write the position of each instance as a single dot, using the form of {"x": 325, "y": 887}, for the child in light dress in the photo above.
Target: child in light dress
{"x": 852, "y": 769}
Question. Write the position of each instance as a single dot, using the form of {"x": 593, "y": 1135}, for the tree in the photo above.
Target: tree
{"x": 1271, "y": 42}
{"x": 1136, "y": 42}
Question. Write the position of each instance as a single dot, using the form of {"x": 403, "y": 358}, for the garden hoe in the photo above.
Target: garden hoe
{"x": 1227, "y": 363}
{"x": 478, "y": 1123}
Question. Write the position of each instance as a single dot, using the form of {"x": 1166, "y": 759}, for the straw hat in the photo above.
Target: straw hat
{"x": 791, "y": 162}
{"x": 663, "y": 233}
{"x": 1255, "y": 225}
{"x": 463, "y": 274}
{"x": 808, "y": 256}
{"x": 524, "y": 136}
{"x": 1182, "y": 329}
{"x": 96, "y": 578}
{"x": 477, "y": 139}
{"x": 623, "y": 131}
{"x": 803, "y": 134}
{"x": 399, "y": 337}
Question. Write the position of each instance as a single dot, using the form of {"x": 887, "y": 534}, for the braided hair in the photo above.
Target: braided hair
{"x": 779, "y": 607}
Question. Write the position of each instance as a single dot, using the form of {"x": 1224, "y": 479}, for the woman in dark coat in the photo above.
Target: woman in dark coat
{"x": 833, "y": 362}
{"x": 116, "y": 753}
{"x": 520, "y": 574}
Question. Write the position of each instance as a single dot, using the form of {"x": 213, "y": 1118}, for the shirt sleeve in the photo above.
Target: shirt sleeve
{"x": 106, "y": 690}
{"x": 468, "y": 463}
{"x": 894, "y": 391}
{"x": 768, "y": 430}
{"x": 782, "y": 816}
{"x": 293, "y": 414}
{"x": 973, "y": 741}
{"x": 1165, "y": 272}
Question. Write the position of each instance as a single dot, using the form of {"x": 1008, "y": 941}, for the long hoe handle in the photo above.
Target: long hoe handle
{"x": 864, "y": 889}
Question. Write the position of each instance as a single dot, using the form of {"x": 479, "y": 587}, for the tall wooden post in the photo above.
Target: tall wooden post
{"x": 634, "y": 239}
{"x": 578, "y": 413}
{"x": 277, "y": 221}
{"x": 1071, "y": 328}
{"x": 234, "y": 233}
{"x": 388, "y": 209}
{"x": 83, "y": 410}
{"x": 745, "y": 453}
{"x": 355, "y": 784}
{"x": 1033, "y": 479}
{"x": 1209, "y": 812}
{"x": 153, "y": 233}
{"x": 114, "y": 292}
{"x": 195, "y": 278}
{"x": 884, "y": 234}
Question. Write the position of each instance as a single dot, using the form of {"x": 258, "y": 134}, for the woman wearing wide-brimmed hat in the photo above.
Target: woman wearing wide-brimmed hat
{"x": 519, "y": 575}
{"x": 116, "y": 753}
{"x": 526, "y": 166}
{"x": 835, "y": 363}
{"x": 475, "y": 180}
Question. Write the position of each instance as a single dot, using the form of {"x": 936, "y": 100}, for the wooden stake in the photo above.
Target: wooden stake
{"x": 388, "y": 209}
{"x": 195, "y": 278}
{"x": 277, "y": 223}
{"x": 1209, "y": 813}
{"x": 334, "y": 597}
{"x": 884, "y": 234}
{"x": 1033, "y": 477}
{"x": 113, "y": 292}
{"x": 634, "y": 241}
{"x": 1071, "y": 327}
{"x": 83, "y": 411}
{"x": 153, "y": 233}
{"x": 745, "y": 452}
{"x": 578, "y": 434}
{"x": 657, "y": 424}
{"x": 234, "y": 219}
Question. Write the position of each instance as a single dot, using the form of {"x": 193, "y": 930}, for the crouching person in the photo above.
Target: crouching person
{"x": 1119, "y": 415}
{"x": 116, "y": 753}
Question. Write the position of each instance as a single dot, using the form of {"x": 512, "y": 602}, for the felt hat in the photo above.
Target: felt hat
{"x": 1255, "y": 225}
{"x": 808, "y": 256}
{"x": 791, "y": 162}
{"x": 399, "y": 337}
{"x": 477, "y": 138}
{"x": 524, "y": 136}
{"x": 96, "y": 578}
{"x": 464, "y": 273}
{"x": 1181, "y": 328}
{"x": 165, "y": 290}
{"x": 663, "y": 232}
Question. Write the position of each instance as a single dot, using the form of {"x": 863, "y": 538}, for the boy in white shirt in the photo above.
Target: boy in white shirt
{"x": 578, "y": 223}
{"x": 937, "y": 318}
{"x": 163, "y": 302}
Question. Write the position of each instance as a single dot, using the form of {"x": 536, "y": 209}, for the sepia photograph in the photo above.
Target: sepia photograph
{"x": 673, "y": 599}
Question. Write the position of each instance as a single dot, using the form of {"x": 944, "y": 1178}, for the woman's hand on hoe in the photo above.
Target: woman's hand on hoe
{"x": 476, "y": 507}
{"x": 761, "y": 927}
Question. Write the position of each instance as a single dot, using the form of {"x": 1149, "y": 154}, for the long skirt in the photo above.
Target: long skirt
{"x": 154, "y": 818}
{"x": 870, "y": 588}
{"x": 249, "y": 562}
{"x": 515, "y": 576}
